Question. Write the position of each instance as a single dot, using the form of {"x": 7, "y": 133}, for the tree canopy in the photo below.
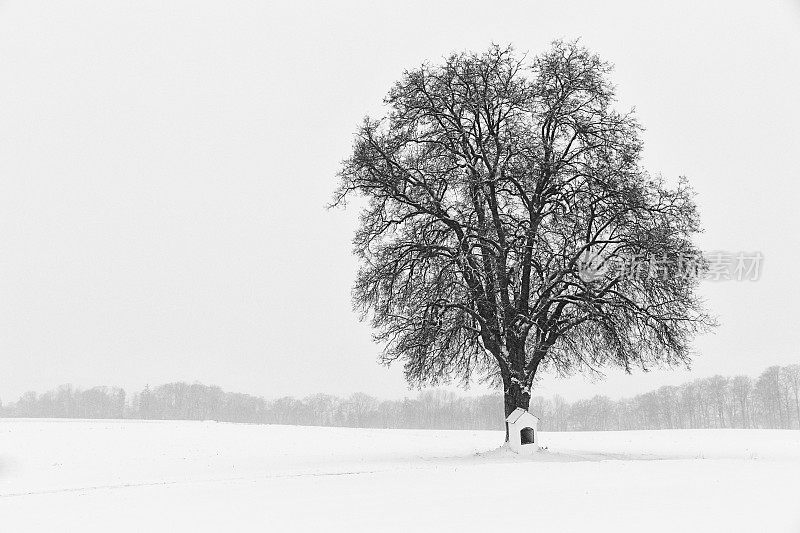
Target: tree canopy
{"x": 494, "y": 184}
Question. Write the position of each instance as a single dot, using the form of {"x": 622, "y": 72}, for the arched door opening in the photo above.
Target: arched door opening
{"x": 526, "y": 436}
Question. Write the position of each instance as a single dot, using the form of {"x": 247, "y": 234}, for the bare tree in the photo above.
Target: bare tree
{"x": 769, "y": 389}
{"x": 791, "y": 376}
{"x": 668, "y": 400}
{"x": 742, "y": 388}
{"x": 489, "y": 183}
{"x": 717, "y": 387}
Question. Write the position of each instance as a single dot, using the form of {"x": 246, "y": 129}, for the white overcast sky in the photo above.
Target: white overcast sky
{"x": 164, "y": 167}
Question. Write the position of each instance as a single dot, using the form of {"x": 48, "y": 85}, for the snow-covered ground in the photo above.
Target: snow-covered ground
{"x": 80, "y": 475}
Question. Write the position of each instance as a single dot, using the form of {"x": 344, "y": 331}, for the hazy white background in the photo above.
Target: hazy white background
{"x": 164, "y": 167}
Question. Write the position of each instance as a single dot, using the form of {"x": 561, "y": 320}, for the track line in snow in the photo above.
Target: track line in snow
{"x": 184, "y": 482}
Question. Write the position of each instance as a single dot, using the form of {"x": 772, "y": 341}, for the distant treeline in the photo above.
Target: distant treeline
{"x": 770, "y": 401}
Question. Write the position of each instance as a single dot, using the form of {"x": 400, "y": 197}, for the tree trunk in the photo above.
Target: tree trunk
{"x": 515, "y": 397}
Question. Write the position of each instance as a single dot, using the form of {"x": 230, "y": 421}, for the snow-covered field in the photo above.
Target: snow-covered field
{"x": 79, "y": 475}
